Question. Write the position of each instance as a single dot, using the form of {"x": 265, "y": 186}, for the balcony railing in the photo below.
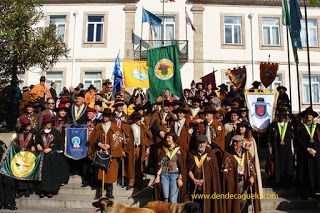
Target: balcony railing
{"x": 140, "y": 50}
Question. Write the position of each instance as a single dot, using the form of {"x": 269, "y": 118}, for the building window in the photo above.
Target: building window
{"x": 314, "y": 89}
{"x": 277, "y": 82}
{"x": 168, "y": 34}
{"x": 60, "y": 22}
{"x": 55, "y": 77}
{"x": 94, "y": 78}
{"x": 95, "y": 29}
{"x": 232, "y": 30}
{"x": 270, "y": 27}
{"x": 312, "y": 30}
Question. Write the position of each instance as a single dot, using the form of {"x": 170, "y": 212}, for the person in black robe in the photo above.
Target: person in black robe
{"x": 283, "y": 98}
{"x": 281, "y": 148}
{"x": 49, "y": 142}
{"x": 7, "y": 187}
{"x": 308, "y": 155}
{"x": 26, "y": 141}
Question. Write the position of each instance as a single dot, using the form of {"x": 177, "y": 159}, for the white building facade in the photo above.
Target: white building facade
{"x": 96, "y": 30}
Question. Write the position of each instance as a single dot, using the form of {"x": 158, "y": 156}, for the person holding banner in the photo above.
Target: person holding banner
{"x": 7, "y": 189}
{"x": 109, "y": 137}
{"x": 308, "y": 155}
{"x": 49, "y": 142}
{"x": 26, "y": 141}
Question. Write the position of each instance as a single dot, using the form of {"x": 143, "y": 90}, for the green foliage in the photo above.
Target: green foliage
{"x": 24, "y": 45}
{"x": 314, "y": 2}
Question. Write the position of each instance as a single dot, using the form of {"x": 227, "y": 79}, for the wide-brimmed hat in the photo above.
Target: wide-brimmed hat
{"x": 180, "y": 109}
{"x": 223, "y": 86}
{"x": 107, "y": 112}
{"x": 47, "y": 118}
{"x": 193, "y": 82}
{"x": 135, "y": 116}
{"x": 256, "y": 83}
{"x": 237, "y": 138}
{"x": 65, "y": 100}
{"x": 119, "y": 102}
{"x": 209, "y": 110}
{"x": 199, "y": 83}
{"x": 81, "y": 94}
{"x": 281, "y": 87}
{"x": 91, "y": 87}
{"x": 309, "y": 111}
{"x": 201, "y": 139}
{"x": 24, "y": 121}
{"x": 98, "y": 103}
{"x": 25, "y": 88}
{"x": 140, "y": 107}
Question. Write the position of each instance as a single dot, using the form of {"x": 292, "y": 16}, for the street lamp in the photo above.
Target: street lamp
{"x": 250, "y": 16}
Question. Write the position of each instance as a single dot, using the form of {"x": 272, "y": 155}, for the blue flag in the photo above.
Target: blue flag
{"x": 151, "y": 18}
{"x": 117, "y": 75}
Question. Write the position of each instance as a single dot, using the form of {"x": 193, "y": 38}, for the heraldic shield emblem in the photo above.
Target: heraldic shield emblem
{"x": 261, "y": 108}
{"x": 268, "y": 72}
{"x": 238, "y": 76}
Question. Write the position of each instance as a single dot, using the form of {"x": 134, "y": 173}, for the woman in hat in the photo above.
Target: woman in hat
{"x": 249, "y": 143}
{"x": 7, "y": 186}
{"x": 26, "y": 141}
{"x": 308, "y": 154}
{"x": 49, "y": 142}
{"x": 61, "y": 122}
{"x": 171, "y": 171}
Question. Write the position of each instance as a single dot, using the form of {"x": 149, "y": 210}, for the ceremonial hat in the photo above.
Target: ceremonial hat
{"x": 107, "y": 112}
{"x": 61, "y": 106}
{"x": 25, "y": 88}
{"x": 201, "y": 138}
{"x": 118, "y": 102}
{"x": 193, "y": 82}
{"x": 309, "y": 111}
{"x": 237, "y": 138}
{"x": 64, "y": 100}
{"x": 98, "y": 103}
{"x": 31, "y": 86}
{"x": 223, "y": 86}
{"x": 89, "y": 109}
{"x": 24, "y": 120}
{"x": 281, "y": 87}
{"x": 91, "y": 87}
{"x": 81, "y": 94}
{"x": 199, "y": 83}
{"x": 180, "y": 109}
{"x": 135, "y": 116}
{"x": 42, "y": 78}
{"x": 256, "y": 83}
{"x": 209, "y": 110}
{"x": 47, "y": 118}
{"x": 80, "y": 85}
{"x": 186, "y": 90}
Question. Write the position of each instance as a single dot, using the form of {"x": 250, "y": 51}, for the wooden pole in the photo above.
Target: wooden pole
{"x": 289, "y": 67}
{"x": 298, "y": 80}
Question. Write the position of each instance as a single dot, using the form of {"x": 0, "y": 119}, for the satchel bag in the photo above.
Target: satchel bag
{"x": 102, "y": 160}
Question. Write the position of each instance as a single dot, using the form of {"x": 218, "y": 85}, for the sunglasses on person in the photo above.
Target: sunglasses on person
{"x": 50, "y": 103}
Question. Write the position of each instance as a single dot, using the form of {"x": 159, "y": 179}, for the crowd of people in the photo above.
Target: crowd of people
{"x": 201, "y": 143}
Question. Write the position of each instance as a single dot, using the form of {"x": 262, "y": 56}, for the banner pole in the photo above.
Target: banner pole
{"x": 289, "y": 67}
{"x": 298, "y": 80}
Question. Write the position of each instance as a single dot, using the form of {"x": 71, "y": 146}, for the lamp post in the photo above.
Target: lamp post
{"x": 250, "y": 16}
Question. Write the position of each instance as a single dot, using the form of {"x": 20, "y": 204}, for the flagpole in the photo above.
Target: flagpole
{"x": 308, "y": 53}
{"x": 162, "y": 23}
{"x": 185, "y": 13}
{"x": 141, "y": 34}
{"x": 298, "y": 81}
{"x": 289, "y": 67}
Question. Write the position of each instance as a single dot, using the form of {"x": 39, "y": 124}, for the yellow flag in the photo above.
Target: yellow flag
{"x": 135, "y": 74}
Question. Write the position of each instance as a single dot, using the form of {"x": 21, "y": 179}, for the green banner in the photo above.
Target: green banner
{"x": 22, "y": 165}
{"x": 164, "y": 71}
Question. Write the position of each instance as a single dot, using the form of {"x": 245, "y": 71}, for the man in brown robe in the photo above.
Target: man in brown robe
{"x": 204, "y": 175}
{"x": 239, "y": 177}
{"x": 109, "y": 137}
{"x": 138, "y": 141}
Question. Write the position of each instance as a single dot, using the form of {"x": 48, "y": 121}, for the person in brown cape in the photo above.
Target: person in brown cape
{"x": 170, "y": 181}
{"x": 239, "y": 177}
{"x": 108, "y": 136}
{"x": 204, "y": 175}
{"x": 139, "y": 139}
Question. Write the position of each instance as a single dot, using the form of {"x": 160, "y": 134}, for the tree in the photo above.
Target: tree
{"x": 23, "y": 45}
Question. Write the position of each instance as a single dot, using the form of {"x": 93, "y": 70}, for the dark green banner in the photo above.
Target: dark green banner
{"x": 22, "y": 165}
{"x": 164, "y": 71}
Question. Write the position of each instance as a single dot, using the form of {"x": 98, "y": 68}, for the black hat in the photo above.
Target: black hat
{"x": 193, "y": 82}
{"x": 201, "y": 139}
{"x": 309, "y": 111}
{"x": 223, "y": 86}
{"x": 256, "y": 83}
{"x": 42, "y": 78}
{"x": 81, "y": 94}
{"x": 91, "y": 87}
{"x": 281, "y": 87}
{"x": 282, "y": 111}
{"x": 25, "y": 89}
{"x": 199, "y": 83}
{"x": 234, "y": 110}
{"x": 118, "y": 102}
{"x": 98, "y": 103}
{"x": 209, "y": 110}
{"x": 244, "y": 123}
{"x": 166, "y": 103}
{"x": 186, "y": 90}
{"x": 139, "y": 107}
{"x": 107, "y": 112}
{"x": 135, "y": 116}
{"x": 177, "y": 102}
{"x": 180, "y": 109}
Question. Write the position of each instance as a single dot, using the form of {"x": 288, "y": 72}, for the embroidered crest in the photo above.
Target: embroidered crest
{"x": 118, "y": 138}
{"x": 219, "y": 128}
